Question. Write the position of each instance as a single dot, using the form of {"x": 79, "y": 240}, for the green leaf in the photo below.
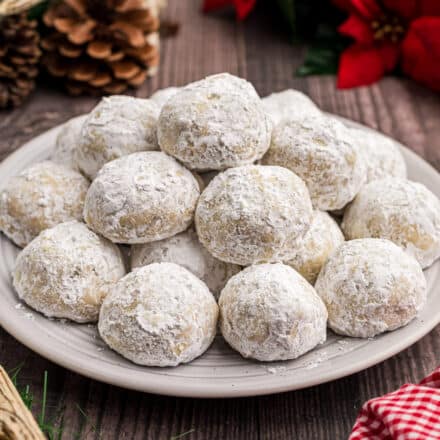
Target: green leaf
{"x": 37, "y": 11}
{"x": 25, "y": 393}
{"x": 322, "y": 57}
{"x": 288, "y": 10}
{"x": 52, "y": 430}
{"x": 319, "y": 61}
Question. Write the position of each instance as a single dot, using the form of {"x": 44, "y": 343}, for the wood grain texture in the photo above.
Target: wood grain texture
{"x": 259, "y": 51}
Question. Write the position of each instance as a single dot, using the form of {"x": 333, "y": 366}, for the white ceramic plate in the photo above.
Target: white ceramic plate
{"x": 220, "y": 372}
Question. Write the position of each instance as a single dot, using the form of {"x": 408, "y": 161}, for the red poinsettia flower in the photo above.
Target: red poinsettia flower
{"x": 421, "y": 51}
{"x": 242, "y": 7}
{"x": 386, "y": 32}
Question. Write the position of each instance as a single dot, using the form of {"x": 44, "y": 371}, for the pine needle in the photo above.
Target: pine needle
{"x": 183, "y": 434}
{"x": 43, "y": 403}
{"x": 93, "y": 428}
{"x": 52, "y": 431}
{"x": 25, "y": 393}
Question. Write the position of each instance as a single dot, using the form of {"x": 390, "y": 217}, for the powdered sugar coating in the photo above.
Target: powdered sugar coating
{"x": 402, "y": 211}
{"x": 185, "y": 250}
{"x": 40, "y": 197}
{"x": 159, "y": 315}
{"x": 269, "y": 312}
{"x": 253, "y": 214}
{"x": 321, "y": 151}
{"x": 371, "y": 286}
{"x": 67, "y": 271}
{"x": 141, "y": 197}
{"x": 161, "y": 96}
{"x": 117, "y": 126}
{"x": 67, "y": 142}
{"x": 289, "y": 104}
{"x": 382, "y": 155}
{"x": 215, "y": 123}
{"x": 320, "y": 241}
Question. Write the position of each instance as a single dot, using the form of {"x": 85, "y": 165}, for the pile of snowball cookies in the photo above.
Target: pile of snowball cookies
{"x": 228, "y": 204}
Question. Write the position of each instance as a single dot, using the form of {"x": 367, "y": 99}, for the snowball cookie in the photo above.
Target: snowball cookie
{"x": 270, "y": 312}
{"x": 253, "y": 214}
{"x": 117, "y": 126}
{"x": 323, "y": 237}
{"x": 289, "y": 104}
{"x": 371, "y": 286}
{"x": 67, "y": 271}
{"x": 40, "y": 197}
{"x": 67, "y": 142}
{"x": 161, "y": 96}
{"x": 402, "y": 211}
{"x": 140, "y": 198}
{"x": 159, "y": 315}
{"x": 321, "y": 151}
{"x": 185, "y": 250}
{"x": 215, "y": 123}
{"x": 382, "y": 155}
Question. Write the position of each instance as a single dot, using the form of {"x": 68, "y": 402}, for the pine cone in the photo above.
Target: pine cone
{"x": 101, "y": 46}
{"x": 19, "y": 57}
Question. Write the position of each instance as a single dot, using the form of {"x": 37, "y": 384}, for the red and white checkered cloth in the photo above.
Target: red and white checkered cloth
{"x": 410, "y": 413}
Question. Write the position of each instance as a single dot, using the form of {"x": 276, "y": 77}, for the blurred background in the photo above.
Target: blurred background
{"x": 53, "y": 50}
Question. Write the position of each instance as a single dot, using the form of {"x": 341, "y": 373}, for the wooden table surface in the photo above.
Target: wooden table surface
{"x": 258, "y": 51}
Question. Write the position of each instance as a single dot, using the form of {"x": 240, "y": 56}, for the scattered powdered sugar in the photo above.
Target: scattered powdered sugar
{"x": 253, "y": 214}
{"x": 269, "y": 312}
{"x": 29, "y": 316}
{"x": 276, "y": 369}
{"x": 342, "y": 344}
{"x": 399, "y": 210}
{"x": 317, "y": 359}
{"x": 25, "y": 314}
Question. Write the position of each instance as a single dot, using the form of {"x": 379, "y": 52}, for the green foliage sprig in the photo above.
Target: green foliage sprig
{"x": 51, "y": 429}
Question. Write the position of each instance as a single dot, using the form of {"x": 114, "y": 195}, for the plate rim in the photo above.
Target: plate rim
{"x": 68, "y": 361}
